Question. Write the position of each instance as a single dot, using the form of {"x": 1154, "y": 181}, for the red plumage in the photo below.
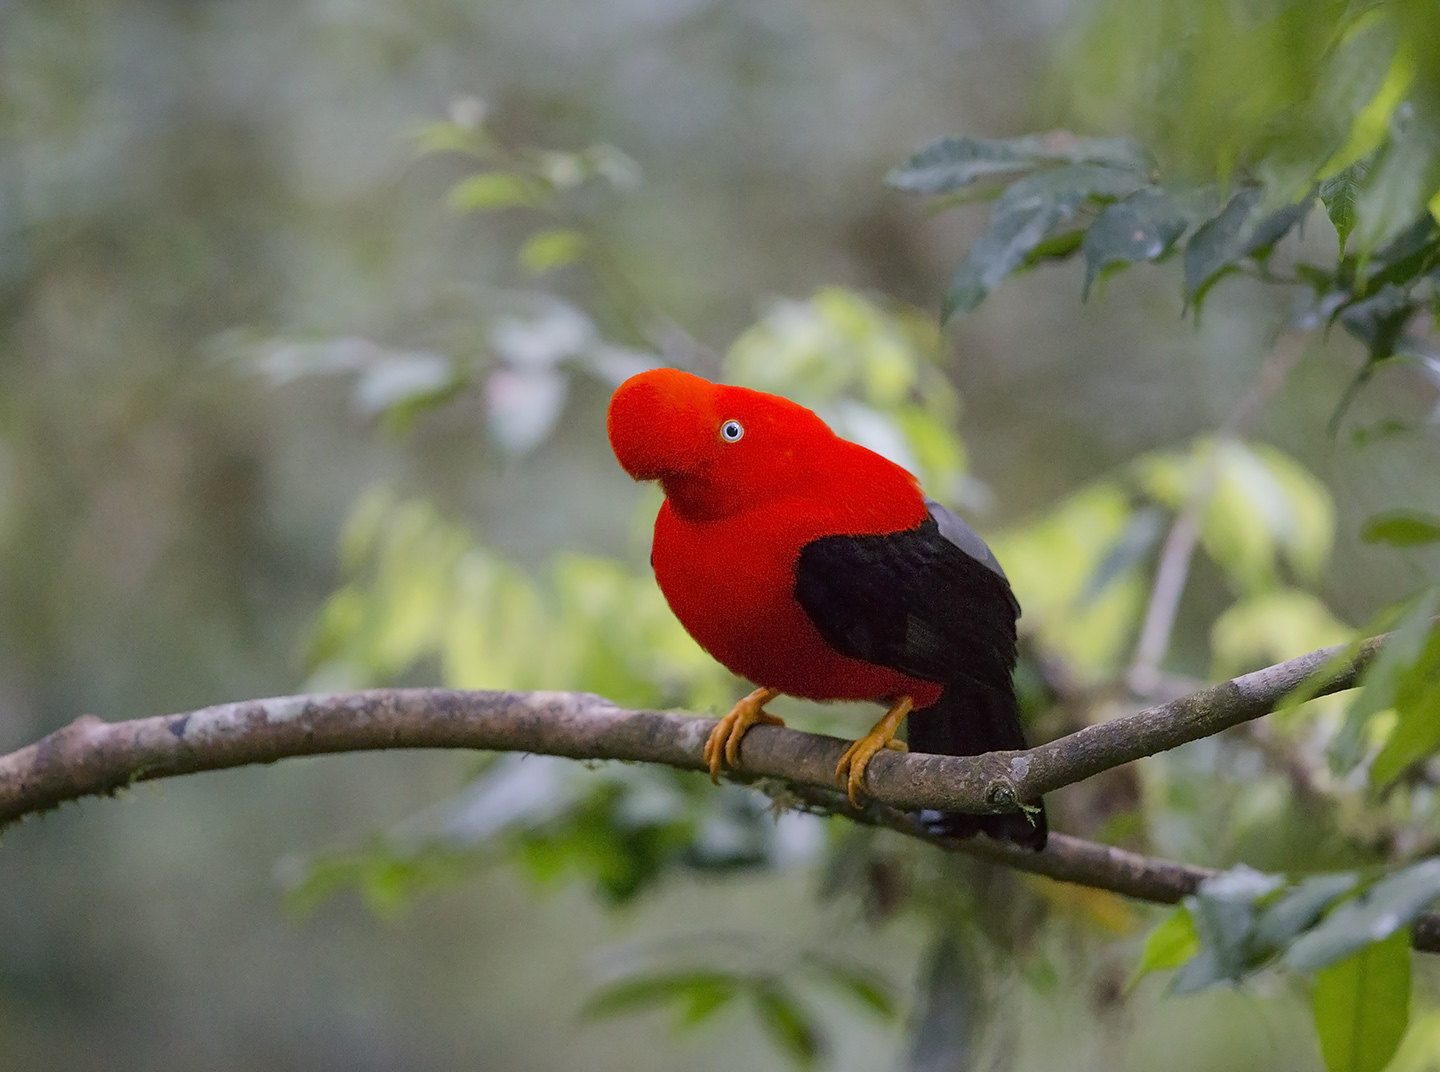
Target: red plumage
{"x": 753, "y": 483}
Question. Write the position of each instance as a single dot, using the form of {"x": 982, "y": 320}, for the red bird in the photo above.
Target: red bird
{"x": 817, "y": 568}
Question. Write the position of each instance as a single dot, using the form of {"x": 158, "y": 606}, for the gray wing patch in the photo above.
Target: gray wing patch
{"x": 955, "y": 529}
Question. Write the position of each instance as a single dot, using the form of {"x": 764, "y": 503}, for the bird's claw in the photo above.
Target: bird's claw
{"x": 722, "y": 747}
{"x": 850, "y": 771}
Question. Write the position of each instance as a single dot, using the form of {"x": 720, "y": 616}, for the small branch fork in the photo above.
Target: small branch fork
{"x": 91, "y": 757}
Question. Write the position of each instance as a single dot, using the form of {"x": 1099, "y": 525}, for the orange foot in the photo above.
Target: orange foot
{"x": 850, "y": 771}
{"x": 722, "y": 748}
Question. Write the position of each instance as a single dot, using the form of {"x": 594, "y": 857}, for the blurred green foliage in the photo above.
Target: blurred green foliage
{"x": 266, "y": 197}
{"x": 1286, "y": 92}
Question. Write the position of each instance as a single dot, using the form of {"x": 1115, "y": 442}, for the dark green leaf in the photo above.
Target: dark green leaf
{"x": 1411, "y": 254}
{"x": 952, "y": 163}
{"x": 995, "y": 254}
{"x": 1241, "y": 230}
{"x": 1402, "y": 528}
{"x": 1299, "y": 907}
{"x": 1389, "y": 905}
{"x": 1362, "y": 1006}
{"x": 1068, "y": 186}
{"x": 1338, "y": 194}
{"x": 1142, "y": 227}
{"x": 1379, "y": 320}
{"x": 1026, "y": 214}
{"x": 1224, "y": 910}
{"x": 1272, "y": 228}
{"x": 787, "y": 1023}
{"x": 1219, "y": 243}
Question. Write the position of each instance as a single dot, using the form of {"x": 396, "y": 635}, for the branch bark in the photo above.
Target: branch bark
{"x": 91, "y": 757}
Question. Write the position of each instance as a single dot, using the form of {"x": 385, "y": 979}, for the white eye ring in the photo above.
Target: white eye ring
{"x": 732, "y": 431}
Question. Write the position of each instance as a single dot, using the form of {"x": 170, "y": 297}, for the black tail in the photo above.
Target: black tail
{"x": 969, "y": 720}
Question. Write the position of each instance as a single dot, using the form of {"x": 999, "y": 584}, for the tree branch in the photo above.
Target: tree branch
{"x": 90, "y": 757}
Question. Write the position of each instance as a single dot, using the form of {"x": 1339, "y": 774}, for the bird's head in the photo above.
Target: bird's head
{"x": 713, "y": 447}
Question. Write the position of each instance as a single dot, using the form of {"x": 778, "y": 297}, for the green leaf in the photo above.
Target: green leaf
{"x": 1388, "y": 906}
{"x": 492, "y": 190}
{"x": 702, "y": 1001}
{"x": 1224, "y": 910}
{"x": 1218, "y": 243}
{"x": 787, "y": 1023}
{"x": 1417, "y": 716}
{"x": 1362, "y": 1006}
{"x": 873, "y": 993}
{"x": 1235, "y": 924}
{"x": 953, "y": 163}
{"x": 547, "y": 250}
{"x": 1299, "y": 907}
{"x": 1057, "y": 247}
{"x": 1382, "y": 679}
{"x": 1242, "y": 229}
{"x": 999, "y": 251}
{"x": 1068, "y": 186}
{"x": 1379, "y": 321}
{"x": 696, "y": 993}
{"x": 1338, "y": 194}
{"x": 1416, "y": 736}
{"x": 1410, "y": 255}
{"x": 1403, "y": 178}
{"x": 1142, "y": 227}
{"x": 1402, "y": 528}
{"x": 1272, "y": 228}
{"x": 1169, "y": 945}
{"x": 1026, "y": 214}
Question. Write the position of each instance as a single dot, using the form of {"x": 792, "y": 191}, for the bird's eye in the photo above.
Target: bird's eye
{"x": 731, "y": 431}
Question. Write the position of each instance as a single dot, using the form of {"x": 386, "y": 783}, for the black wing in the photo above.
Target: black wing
{"x": 931, "y": 601}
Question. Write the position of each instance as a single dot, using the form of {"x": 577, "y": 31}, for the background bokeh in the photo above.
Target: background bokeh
{"x": 223, "y": 260}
